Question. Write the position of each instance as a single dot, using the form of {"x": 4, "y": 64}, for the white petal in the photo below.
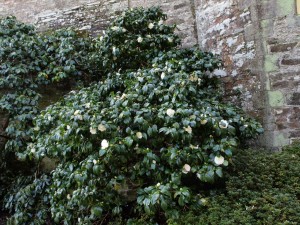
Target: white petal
{"x": 101, "y": 128}
{"x": 93, "y": 130}
{"x": 188, "y": 129}
{"x": 139, "y": 135}
{"x": 186, "y": 168}
{"x": 104, "y": 144}
{"x": 170, "y": 112}
{"x": 151, "y": 25}
{"x": 223, "y": 124}
{"x": 219, "y": 160}
{"x": 203, "y": 122}
{"x": 140, "y": 39}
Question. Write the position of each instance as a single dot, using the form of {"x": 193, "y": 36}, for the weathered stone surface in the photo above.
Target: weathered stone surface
{"x": 95, "y": 15}
{"x": 226, "y": 28}
{"x": 259, "y": 43}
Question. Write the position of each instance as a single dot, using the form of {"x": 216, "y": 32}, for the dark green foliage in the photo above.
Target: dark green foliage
{"x": 29, "y": 60}
{"x": 138, "y": 144}
{"x": 263, "y": 188}
{"x": 28, "y": 63}
{"x": 133, "y": 40}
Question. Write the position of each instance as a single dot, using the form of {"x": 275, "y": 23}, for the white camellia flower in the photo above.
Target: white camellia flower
{"x": 150, "y": 26}
{"x": 219, "y": 160}
{"x": 186, "y": 168}
{"x": 160, "y": 22}
{"x": 140, "y": 39}
{"x": 101, "y": 38}
{"x": 170, "y": 112}
{"x": 95, "y": 161}
{"x": 101, "y": 127}
{"x": 68, "y": 127}
{"x": 203, "y": 122}
{"x": 188, "y": 129}
{"x": 104, "y": 144}
{"x": 170, "y": 39}
{"x": 163, "y": 75}
{"x": 32, "y": 150}
{"x": 93, "y": 130}
{"x": 76, "y": 112}
{"x": 223, "y": 124}
{"x": 87, "y": 105}
{"x": 139, "y": 135}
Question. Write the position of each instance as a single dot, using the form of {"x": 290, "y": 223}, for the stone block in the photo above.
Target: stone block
{"x": 295, "y": 134}
{"x": 282, "y": 47}
{"x": 290, "y": 61}
{"x": 294, "y": 99}
{"x": 285, "y": 7}
{"x": 271, "y": 63}
{"x": 276, "y": 98}
{"x": 181, "y": 5}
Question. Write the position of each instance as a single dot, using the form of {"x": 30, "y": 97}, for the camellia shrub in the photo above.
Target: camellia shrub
{"x": 139, "y": 144}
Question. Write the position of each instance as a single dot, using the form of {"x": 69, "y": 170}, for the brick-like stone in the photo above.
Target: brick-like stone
{"x": 283, "y": 47}
{"x": 291, "y": 62}
{"x": 295, "y": 100}
{"x": 179, "y": 6}
{"x": 295, "y": 134}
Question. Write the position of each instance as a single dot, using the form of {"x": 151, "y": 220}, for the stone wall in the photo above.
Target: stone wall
{"x": 259, "y": 44}
{"x": 280, "y": 27}
{"x": 229, "y": 28}
{"x": 258, "y": 41}
{"x": 95, "y": 15}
